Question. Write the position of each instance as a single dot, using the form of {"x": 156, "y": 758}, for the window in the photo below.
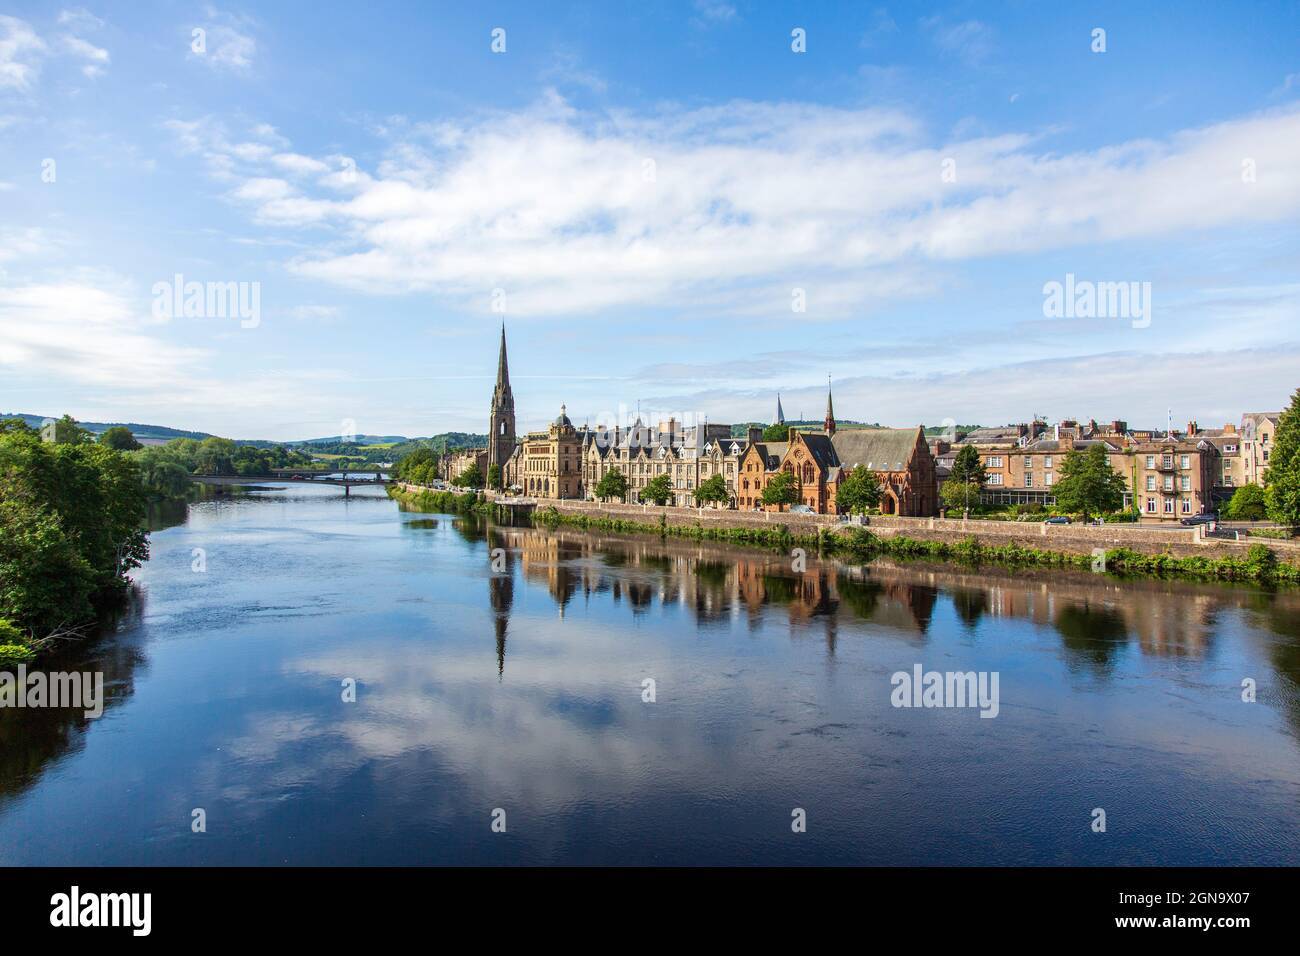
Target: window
{"x": 1185, "y": 461}
{"x": 1048, "y": 479}
{"x": 1029, "y": 462}
{"x": 1187, "y": 506}
{"x": 1169, "y": 506}
{"x": 1168, "y": 460}
{"x": 1185, "y": 483}
{"x": 1151, "y": 505}
{"x": 995, "y": 479}
{"x": 1151, "y": 461}
{"x": 1229, "y": 449}
{"x": 1047, "y": 461}
{"x": 994, "y": 461}
{"x": 1151, "y": 482}
{"x": 1029, "y": 480}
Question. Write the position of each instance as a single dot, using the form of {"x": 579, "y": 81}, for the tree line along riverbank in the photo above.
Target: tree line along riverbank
{"x": 1259, "y": 563}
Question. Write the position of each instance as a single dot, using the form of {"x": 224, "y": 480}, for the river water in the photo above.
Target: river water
{"x": 518, "y": 695}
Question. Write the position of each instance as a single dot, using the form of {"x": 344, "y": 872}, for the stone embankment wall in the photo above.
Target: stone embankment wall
{"x": 1071, "y": 538}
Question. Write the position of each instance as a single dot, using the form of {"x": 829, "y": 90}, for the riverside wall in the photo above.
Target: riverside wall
{"x": 1072, "y": 538}
{"x": 1080, "y": 539}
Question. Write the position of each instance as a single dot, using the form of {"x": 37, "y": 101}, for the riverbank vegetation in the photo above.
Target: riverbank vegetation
{"x": 1259, "y": 564}
{"x": 71, "y": 527}
{"x": 448, "y": 502}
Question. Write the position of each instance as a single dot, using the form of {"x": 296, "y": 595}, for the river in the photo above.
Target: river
{"x": 517, "y": 697}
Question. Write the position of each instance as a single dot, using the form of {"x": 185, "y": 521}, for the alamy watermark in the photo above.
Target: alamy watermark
{"x": 84, "y": 690}
{"x": 922, "y": 688}
{"x": 175, "y": 298}
{"x": 1085, "y": 299}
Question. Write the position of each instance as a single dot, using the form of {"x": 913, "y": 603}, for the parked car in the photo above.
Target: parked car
{"x": 800, "y": 510}
{"x": 1208, "y": 518}
{"x": 1057, "y": 519}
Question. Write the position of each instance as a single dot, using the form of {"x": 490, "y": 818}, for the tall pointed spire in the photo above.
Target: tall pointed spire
{"x": 501, "y": 423}
{"x": 780, "y": 415}
{"x": 829, "y": 424}
{"x": 503, "y": 368}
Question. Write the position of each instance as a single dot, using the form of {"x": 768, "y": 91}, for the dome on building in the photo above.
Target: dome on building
{"x": 563, "y": 420}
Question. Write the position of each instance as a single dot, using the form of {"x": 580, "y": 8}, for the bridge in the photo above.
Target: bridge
{"x": 377, "y": 476}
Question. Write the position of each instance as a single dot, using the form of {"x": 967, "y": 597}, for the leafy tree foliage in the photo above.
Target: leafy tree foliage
{"x": 471, "y": 477}
{"x": 119, "y": 438}
{"x": 779, "y": 432}
{"x": 713, "y": 489}
{"x": 859, "y": 491}
{"x": 1248, "y": 503}
{"x": 782, "y": 489}
{"x": 1282, "y": 480}
{"x": 658, "y": 490}
{"x": 612, "y": 484}
{"x": 71, "y": 519}
{"x": 494, "y": 476}
{"x": 1088, "y": 485}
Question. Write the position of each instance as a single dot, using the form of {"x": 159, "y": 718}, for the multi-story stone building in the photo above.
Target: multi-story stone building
{"x": 548, "y": 464}
{"x": 688, "y": 455}
{"x": 760, "y": 461}
{"x": 1258, "y": 432}
{"x": 1173, "y": 477}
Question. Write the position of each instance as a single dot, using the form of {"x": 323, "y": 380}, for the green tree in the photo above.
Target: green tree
{"x": 782, "y": 489}
{"x": 658, "y": 490}
{"x": 859, "y": 491}
{"x": 778, "y": 432}
{"x": 965, "y": 481}
{"x": 164, "y": 475}
{"x": 612, "y": 484}
{"x": 713, "y": 489}
{"x": 471, "y": 477}
{"x": 1086, "y": 483}
{"x": 66, "y": 431}
{"x": 1282, "y": 480}
{"x": 215, "y": 456}
{"x": 494, "y": 476}
{"x": 1248, "y": 503}
{"x": 119, "y": 437}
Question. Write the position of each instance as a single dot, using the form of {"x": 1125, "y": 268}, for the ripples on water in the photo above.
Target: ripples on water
{"x": 522, "y": 690}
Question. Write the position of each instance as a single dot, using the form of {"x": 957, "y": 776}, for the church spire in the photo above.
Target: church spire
{"x": 829, "y": 424}
{"x": 501, "y": 421}
{"x": 503, "y": 368}
{"x": 780, "y": 415}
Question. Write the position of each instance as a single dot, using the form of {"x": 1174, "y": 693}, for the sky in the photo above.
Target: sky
{"x": 671, "y": 207}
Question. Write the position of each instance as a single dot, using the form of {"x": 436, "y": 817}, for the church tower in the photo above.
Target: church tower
{"x": 829, "y": 424}
{"x": 501, "y": 428}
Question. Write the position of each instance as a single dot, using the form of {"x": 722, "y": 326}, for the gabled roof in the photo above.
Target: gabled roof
{"x": 821, "y": 447}
{"x": 880, "y": 449}
{"x": 771, "y": 453}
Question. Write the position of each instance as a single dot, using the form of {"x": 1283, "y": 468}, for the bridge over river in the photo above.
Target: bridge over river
{"x": 350, "y": 478}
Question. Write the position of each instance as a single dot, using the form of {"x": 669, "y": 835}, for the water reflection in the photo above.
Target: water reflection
{"x": 502, "y": 666}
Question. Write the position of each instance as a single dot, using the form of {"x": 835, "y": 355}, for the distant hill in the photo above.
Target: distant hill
{"x": 138, "y": 430}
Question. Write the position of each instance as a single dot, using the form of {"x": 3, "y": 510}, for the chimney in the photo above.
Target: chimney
{"x": 755, "y": 434}
{"x": 1191, "y": 429}
{"x": 1229, "y": 428}
{"x": 1022, "y": 430}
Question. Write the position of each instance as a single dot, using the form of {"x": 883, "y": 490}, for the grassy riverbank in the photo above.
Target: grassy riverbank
{"x": 1259, "y": 564}
{"x": 447, "y": 502}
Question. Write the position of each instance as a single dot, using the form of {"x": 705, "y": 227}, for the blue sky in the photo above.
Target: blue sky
{"x": 638, "y": 190}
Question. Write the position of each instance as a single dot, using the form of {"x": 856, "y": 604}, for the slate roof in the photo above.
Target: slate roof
{"x": 880, "y": 449}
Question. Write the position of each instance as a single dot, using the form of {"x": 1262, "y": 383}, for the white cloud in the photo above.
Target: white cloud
{"x": 21, "y": 51}
{"x": 566, "y": 213}
{"x": 77, "y": 332}
{"x": 97, "y": 57}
